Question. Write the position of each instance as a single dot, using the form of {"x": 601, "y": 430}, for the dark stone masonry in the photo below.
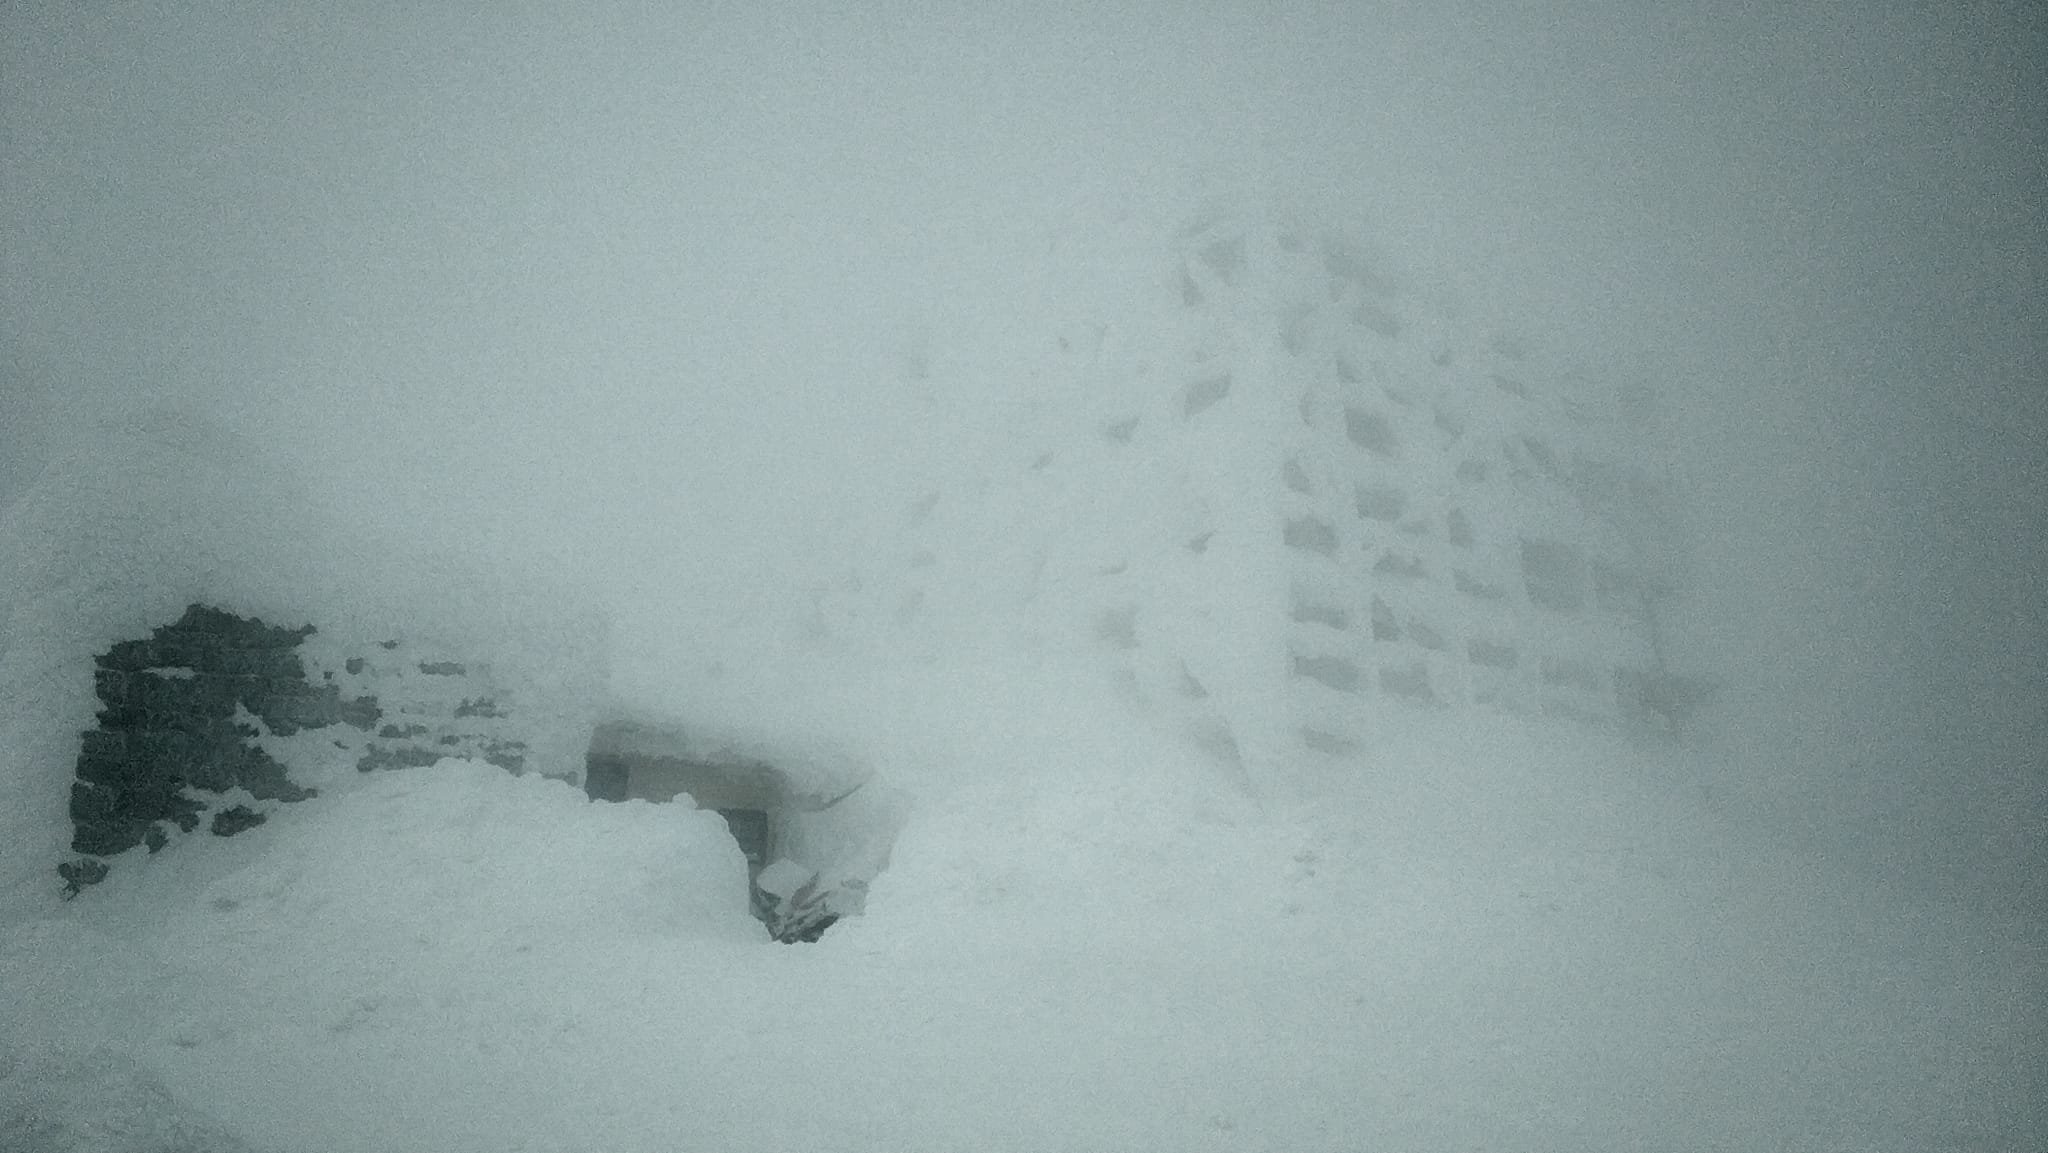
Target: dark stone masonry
{"x": 171, "y": 744}
{"x": 168, "y": 728}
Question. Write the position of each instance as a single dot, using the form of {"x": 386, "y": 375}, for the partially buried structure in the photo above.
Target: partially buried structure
{"x": 769, "y": 803}
{"x": 1276, "y": 490}
{"x": 1287, "y": 491}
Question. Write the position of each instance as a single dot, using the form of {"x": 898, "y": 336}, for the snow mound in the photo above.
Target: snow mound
{"x": 462, "y": 861}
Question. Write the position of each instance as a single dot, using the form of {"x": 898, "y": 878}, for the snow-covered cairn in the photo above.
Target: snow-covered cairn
{"x": 1281, "y": 491}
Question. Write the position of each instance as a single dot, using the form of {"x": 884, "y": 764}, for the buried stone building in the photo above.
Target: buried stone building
{"x": 219, "y": 720}
{"x": 191, "y": 649}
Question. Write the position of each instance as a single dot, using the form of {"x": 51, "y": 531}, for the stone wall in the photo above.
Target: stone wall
{"x": 171, "y": 728}
{"x": 433, "y": 705}
{"x": 186, "y": 712}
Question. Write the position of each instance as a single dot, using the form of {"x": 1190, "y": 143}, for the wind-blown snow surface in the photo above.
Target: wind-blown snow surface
{"x": 1504, "y": 938}
{"x": 697, "y": 303}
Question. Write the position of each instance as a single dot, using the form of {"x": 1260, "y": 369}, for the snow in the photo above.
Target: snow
{"x": 101, "y": 1101}
{"x": 1485, "y": 934}
{"x": 594, "y": 371}
{"x": 1503, "y": 938}
{"x": 783, "y": 878}
{"x": 1081, "y": 933}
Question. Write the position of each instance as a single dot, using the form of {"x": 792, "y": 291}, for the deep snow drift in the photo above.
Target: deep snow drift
{"x": 1509, "y": 938}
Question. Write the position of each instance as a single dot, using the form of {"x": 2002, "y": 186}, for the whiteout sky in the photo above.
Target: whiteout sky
{"x": 628, "y": 290}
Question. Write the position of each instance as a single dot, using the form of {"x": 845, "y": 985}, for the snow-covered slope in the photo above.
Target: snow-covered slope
{"x": 1520, "y": 942}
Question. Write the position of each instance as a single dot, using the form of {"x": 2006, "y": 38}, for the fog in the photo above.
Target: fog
{"x": 648, "y": 300}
